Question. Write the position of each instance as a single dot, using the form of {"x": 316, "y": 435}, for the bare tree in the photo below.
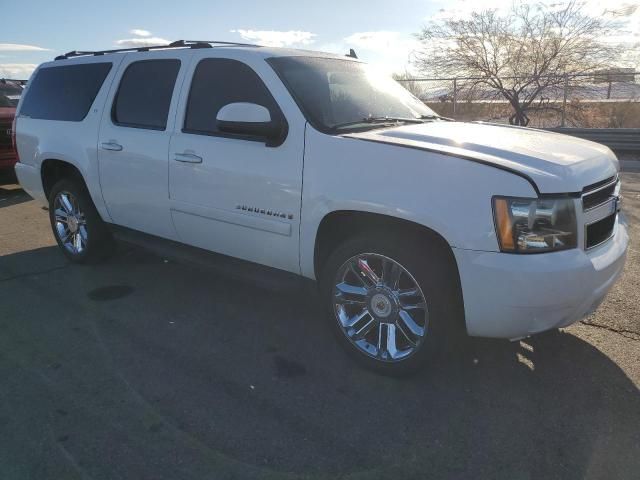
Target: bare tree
{"x": 518, "y": 55}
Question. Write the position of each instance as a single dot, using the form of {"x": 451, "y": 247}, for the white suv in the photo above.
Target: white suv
{"x": 315, "y": 164}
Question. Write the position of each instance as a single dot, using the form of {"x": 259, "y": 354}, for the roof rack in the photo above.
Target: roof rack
{"x": 215, "y": 42}
{"x": 176, "y": 44}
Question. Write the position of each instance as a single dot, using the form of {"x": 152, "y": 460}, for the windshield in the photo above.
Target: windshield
{"x": 9, "y": 95}
{"x": 335, "y": 93}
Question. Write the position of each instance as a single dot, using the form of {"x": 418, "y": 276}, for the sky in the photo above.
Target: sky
{"x": 381, "y": 31}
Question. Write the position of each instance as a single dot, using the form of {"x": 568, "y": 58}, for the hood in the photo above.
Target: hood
{"x": 552, "y": 162}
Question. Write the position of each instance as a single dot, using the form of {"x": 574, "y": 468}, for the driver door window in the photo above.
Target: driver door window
{"x": 218, "y": 82}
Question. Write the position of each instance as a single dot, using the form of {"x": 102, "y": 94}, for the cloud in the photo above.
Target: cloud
{"x": 624, "y": 10}
{"x": 142, "y": 42}
{"x": 141, "y": 38}
{"x": 20, "y": 71}
{"x": 462, "y": 9}
{"x": 375, "y": 40}
{"x": 389, "y": 50}
{"x": 338, "y": 48}
{"x": 16, "y": 47}
{"x": 274, "y": 38}
{"x": 137, "y": 32}
{"x": 626, "y": 18}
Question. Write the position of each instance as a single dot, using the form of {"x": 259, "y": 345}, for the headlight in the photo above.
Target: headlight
{"x": 533, "y": 225}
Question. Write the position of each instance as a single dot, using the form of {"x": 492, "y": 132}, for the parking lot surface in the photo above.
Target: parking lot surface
{"x": 144, "y": 368}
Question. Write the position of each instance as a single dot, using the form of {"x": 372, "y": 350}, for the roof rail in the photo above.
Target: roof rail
{"x": 215, "y": 42}
{"x": 176, "y": 44}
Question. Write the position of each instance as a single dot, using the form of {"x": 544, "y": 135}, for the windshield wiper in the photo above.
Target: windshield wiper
{"x": 392, "y": 119}
{"x": 436, "y": 117}
{"x": 381, "y": 121}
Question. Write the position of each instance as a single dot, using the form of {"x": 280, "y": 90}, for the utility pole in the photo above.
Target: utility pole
{"x": 564, "y": 100}
{"x": 455, "y": 96}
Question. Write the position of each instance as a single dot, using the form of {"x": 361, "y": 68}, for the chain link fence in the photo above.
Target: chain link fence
{"x": 595, "y": 100}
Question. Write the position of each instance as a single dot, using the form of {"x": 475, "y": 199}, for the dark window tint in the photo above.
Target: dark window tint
{"x": 64, "y": 93}
{"x": 218, "y": 82}
{"x": 144, "y": 95}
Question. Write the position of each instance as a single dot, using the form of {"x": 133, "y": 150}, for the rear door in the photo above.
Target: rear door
{"x": 134, "y": 140}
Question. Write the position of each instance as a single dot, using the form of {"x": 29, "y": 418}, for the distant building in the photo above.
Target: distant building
{"x": 614, "y": 75}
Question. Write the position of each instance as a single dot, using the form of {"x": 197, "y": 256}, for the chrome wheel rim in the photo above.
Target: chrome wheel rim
{"x": 70, "y": 223}
{"x": 380, "y": 307}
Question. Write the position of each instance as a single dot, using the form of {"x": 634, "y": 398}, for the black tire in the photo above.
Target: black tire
{"x": 99, "y": 241}
{"x": 432, "y": 266}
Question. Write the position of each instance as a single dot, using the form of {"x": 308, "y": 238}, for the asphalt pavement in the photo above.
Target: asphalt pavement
{"x": 144, "y": 368}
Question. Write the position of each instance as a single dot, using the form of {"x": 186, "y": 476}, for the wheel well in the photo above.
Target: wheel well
{"x": 54, "y": 170}
{"x": 338, "y": 226}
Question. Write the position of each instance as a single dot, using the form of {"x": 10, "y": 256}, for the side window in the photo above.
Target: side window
{"x": 144, "y": 94}
{"x": 218, "y": 82}
{"x": 64, "y": 93}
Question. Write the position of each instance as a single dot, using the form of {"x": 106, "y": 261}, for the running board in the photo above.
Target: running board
{"x": 261, "y": 276}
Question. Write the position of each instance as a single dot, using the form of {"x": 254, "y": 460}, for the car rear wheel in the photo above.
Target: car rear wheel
{"x": 79, "y": 231}
{"x": 393, "y": 303}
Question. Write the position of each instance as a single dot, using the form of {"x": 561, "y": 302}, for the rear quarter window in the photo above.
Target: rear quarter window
{"x": 65, "y": 92}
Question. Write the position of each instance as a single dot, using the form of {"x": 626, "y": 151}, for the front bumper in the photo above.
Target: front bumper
{"x": 513, "y": 296}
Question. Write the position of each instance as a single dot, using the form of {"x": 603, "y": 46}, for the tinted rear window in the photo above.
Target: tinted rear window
{"x": 144, "y": 95}
{"x": 65, "y": 92}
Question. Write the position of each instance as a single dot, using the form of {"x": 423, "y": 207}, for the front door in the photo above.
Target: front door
{"x": 231, "y": 194}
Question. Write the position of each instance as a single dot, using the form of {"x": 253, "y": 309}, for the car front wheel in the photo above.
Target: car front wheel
{"x": 393, "y": 303}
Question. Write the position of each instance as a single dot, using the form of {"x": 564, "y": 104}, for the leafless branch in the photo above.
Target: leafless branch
{"x": 518, "y": 55}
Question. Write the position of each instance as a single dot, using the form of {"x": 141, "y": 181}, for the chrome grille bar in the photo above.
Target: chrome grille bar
{"x": 600, "y": 204}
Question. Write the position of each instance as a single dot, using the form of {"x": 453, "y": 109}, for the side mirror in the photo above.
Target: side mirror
{"x": 249, "y": 119}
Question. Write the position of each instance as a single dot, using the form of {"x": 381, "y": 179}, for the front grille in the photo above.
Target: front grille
{"x": 600, "y": 204}
{"x": 600, "y": 231}
{"x": 595, "y": 186}
{"x": 598, "y": 193}
{"x": 598, "y": 197}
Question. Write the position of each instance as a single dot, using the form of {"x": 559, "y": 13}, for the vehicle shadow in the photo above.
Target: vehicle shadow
{"x": 10, "y": 192}
{"x": 178, "y": 372}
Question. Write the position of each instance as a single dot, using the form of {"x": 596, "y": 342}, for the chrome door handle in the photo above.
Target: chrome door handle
{"x": 116, "y": 147}
{"x": 187, "y": 158}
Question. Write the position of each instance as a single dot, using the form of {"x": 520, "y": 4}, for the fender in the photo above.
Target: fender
{"x": 449, "y": 195}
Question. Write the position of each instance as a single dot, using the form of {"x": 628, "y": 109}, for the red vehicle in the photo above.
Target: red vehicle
{"x": 9, "y": 96}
